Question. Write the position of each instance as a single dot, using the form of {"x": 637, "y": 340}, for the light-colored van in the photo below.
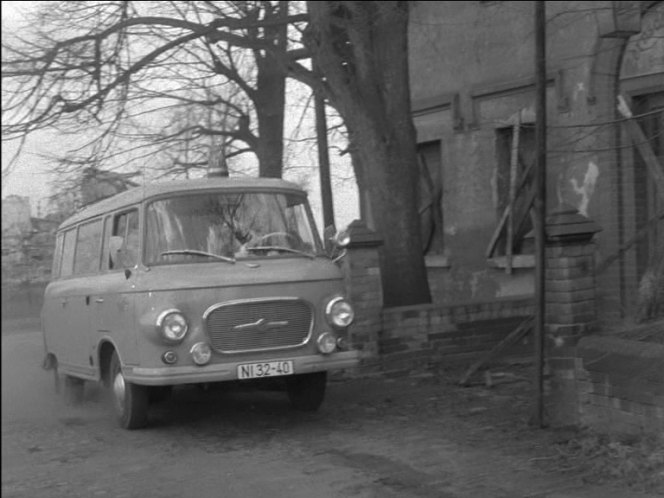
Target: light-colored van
{"x": 195, "y": 282}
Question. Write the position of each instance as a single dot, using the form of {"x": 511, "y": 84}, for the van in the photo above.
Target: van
{"x": 196, "y": 282}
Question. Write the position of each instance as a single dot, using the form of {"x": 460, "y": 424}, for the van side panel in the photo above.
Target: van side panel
{"x": 113, "y": 314}
{"x": 67, "y": 324}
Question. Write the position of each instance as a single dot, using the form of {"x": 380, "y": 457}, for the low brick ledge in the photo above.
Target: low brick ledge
{"x": 515, "y": 301}
{"x": 628, "y": 347}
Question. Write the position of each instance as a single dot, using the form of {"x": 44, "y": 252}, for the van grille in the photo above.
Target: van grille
{"x": 259, "y": 325}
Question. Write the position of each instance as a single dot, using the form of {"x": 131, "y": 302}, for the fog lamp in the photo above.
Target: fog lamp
{"x": 327, "y": 343}
{"x": 201, "y": 353}
{"x": 169, "y": 357}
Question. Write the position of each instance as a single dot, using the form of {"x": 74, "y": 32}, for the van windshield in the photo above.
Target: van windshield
{"x": 228, "y": 226}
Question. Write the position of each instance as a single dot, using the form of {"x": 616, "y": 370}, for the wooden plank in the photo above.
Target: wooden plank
{"x": 506, "y": 212}
{"x": 514, "y": 162}
{"x": 601, "y": 267}
{"x": 519, "y": 332}
{"x": 642, "y": 144}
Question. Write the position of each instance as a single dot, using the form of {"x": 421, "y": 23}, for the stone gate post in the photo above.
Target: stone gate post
{"x": 570, "y": 305}
{"x": 570, "y": 276}
{"x": 363, "y": 286}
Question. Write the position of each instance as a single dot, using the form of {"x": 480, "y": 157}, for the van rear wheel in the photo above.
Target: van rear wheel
{"x": 130, "y": 401}
{"x": 306, "y": 391}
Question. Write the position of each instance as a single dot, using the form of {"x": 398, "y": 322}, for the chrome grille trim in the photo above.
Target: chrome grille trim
{"x": 240, "y": 330}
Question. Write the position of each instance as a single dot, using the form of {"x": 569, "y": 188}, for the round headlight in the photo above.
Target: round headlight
{"x": 339, "y": 312}
{"x": 172, "y": 325}
{"x": 201, "y": 353}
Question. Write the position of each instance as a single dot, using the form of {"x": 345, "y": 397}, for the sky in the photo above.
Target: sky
{"x": 30, "y": 178}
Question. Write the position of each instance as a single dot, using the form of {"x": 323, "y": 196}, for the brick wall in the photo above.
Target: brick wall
{"x": 413, "y": 337}
{"x": 611, "y": 384}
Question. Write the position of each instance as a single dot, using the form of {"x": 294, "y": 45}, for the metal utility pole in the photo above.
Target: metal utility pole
{"x": 540, "y": 207}
{"x": 324, "y": 162}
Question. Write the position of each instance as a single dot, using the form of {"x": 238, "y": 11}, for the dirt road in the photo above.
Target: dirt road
{"x": 408, "y": 437}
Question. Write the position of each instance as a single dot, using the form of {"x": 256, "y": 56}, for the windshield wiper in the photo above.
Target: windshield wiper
{"x": 280, "y": 248}
{"x": 198, "y": 253}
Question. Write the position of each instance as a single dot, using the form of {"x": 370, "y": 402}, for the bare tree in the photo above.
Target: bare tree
{"x": 120, "y": 58}
{"x": 124, "y": 69}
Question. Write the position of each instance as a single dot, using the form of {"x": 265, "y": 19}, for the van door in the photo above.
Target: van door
{"x": 56, "y": 313}
{"x": 74, "y": 317}
{"x": 114, "y": 300}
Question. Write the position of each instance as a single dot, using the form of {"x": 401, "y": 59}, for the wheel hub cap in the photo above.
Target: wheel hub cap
{"x": 119, "y": 391}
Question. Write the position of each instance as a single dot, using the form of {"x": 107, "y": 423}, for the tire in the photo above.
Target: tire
{"x": 73, "y": 390}
{"x": 307, "y": 391}
{"x": 130, "y": 401}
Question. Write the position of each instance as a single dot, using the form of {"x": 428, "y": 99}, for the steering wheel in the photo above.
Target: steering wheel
{"x": 258, "y": 240}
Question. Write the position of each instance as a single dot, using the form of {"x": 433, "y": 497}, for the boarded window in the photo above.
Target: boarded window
{"x": 647, "y": 202}
{"x": 430, "y": 196}
{"x": 514, "y": 186}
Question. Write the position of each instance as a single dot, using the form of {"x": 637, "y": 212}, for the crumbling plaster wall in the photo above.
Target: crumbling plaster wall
{"x": 472, "y": 71}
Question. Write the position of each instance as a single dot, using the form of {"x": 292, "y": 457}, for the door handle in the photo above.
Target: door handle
{"x": 63, "y": 303}
{"x": 99, "y": 300}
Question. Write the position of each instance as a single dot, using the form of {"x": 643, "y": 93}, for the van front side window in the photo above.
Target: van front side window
{"x": 209, "y": 227}
{"x": 124, "y": 242}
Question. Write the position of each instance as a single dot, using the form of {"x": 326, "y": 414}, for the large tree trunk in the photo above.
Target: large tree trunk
{"x": 361, "y": 49}
{"x": 270, "y": 104}
{"x": 270, "y": 94}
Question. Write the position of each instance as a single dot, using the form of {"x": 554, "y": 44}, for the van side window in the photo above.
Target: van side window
{"x": 105, "y": 253}
{"x": 57, "y": 257}
{"x": 123, "y": 243}
{"x": 68, "y": 250}
{"x": 88, "y": 244}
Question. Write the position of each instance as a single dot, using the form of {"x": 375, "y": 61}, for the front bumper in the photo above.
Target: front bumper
{"x": 228, "y": 371}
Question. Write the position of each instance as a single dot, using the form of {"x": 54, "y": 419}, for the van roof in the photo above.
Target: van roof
{"x": 138, "y": 194}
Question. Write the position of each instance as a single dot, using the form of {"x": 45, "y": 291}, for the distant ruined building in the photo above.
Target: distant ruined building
{"x": 97, "y": 184}
{"x": 27, "y": 242}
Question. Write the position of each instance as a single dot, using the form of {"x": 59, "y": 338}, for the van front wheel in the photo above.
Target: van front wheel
{"x": 307, "y": 391}
{"x": 130, "y": 401}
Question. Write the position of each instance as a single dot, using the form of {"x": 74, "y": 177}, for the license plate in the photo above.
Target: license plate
{"x": 265, "y": 369}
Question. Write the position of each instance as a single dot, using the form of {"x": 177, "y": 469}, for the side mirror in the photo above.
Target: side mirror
{"x": 341, "y": 239}
{"x": 335, "y": 243}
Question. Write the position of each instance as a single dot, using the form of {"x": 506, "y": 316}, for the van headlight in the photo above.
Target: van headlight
{"x": 339, "y": 312}
{"x": 172, "y": 325}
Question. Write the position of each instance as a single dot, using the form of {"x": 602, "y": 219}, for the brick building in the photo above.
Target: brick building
{"x": 472, "y": 83}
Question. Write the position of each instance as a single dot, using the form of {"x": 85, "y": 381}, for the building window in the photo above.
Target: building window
{"x": 515, "y": 158}
{"x": 647, "y": 203}
{"x": 430, "y": 196}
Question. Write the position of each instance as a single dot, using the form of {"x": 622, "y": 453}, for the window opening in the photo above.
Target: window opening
{"x": 515, "y": 158}
{"x": 431, "y": 197}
